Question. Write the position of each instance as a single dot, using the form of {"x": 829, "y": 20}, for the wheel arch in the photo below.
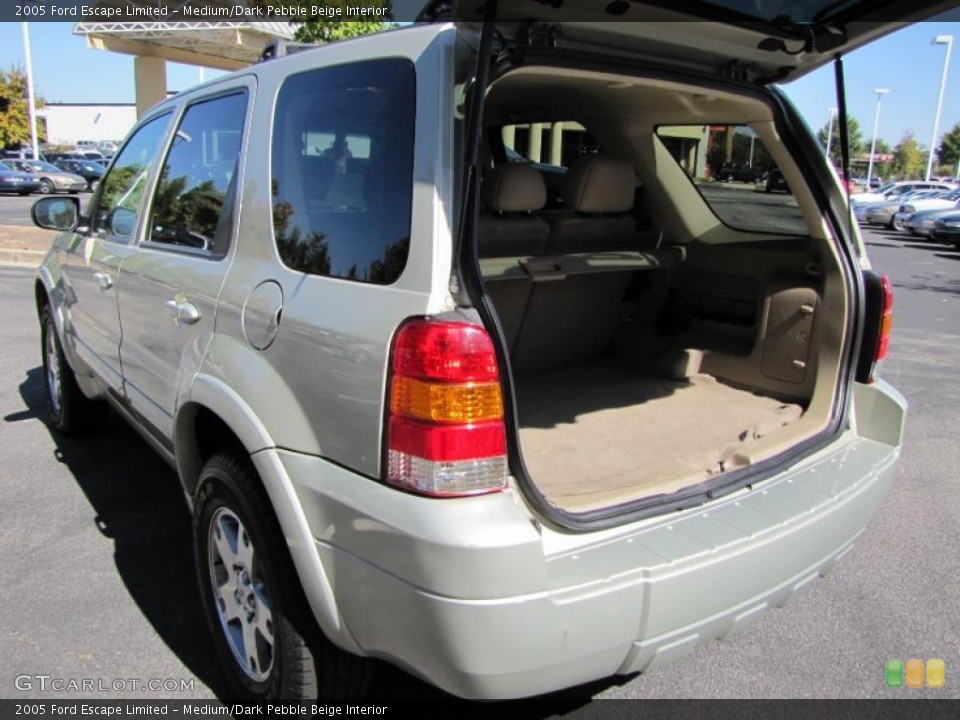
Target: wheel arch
{"x": 213, "y": 418}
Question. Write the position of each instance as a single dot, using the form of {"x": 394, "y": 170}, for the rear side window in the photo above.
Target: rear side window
{"x": 342, "y": 170}
{"x": 736, "y": 176}
{"x": 193, "y": 204}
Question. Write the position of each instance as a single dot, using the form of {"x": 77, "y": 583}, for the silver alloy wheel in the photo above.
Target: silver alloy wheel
{"x": 47, "y": 187}
{"x": 240, "y": 594}
{"x": 93, "y": 185}
{"x": 54, "y": 389}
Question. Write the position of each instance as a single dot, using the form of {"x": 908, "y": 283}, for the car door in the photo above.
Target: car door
{"x": 99, "y": 247}
{"x": 169, "y": 286}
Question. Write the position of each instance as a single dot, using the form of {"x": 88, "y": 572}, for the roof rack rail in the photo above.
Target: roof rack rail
{"x": 279, "y": 48}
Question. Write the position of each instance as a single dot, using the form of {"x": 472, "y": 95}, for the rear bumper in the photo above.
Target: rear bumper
{"x": 478, "y": 599}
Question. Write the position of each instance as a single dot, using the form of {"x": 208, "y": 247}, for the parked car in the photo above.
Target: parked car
{"x": 14, "y": 181}
{"x": 513, "y": 455}
{"x": 894, "y": 190}
{"x": 885, "y": 213}
{"x": 946, "y": 229}
{"x": 776, "y": 182}
{"x": 739, "y": 173}
{"x": 90, "y": 171}
{"x": 943, "y": 201}
{"x": 51, "y": 178}
{"x": 922, "y": 223}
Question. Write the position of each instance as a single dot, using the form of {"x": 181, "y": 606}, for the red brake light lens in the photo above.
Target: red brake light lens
{"x": 445, "y": 433}
{"x": 886, "y": 319}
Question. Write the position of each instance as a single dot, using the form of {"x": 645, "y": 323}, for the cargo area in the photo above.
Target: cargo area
{"x": 654, "y": 344}
{"x": 596, "y": 433}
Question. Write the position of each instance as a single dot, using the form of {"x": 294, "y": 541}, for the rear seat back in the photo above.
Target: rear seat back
{"x": 509, "y": 233}
{"x": 586, "y": 287}
{"x": 599, "y": 192}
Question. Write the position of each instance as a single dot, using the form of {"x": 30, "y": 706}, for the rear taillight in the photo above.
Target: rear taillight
{"x": 886, "y": 319}
{"x": 445, "y": 431}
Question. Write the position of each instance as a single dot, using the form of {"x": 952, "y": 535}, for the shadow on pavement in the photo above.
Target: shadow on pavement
{"x": 137, "y": 502}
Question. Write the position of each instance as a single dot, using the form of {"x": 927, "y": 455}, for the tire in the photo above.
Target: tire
{"x": 240, "y": 550}
{"x": 93, "y": 185}
{"x": 46, "y": 187}
{"x": 69, "y": 411}
{"x": 895, "y": 224}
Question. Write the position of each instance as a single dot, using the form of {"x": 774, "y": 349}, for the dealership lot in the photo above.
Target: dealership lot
{"x": 97, "y": 580}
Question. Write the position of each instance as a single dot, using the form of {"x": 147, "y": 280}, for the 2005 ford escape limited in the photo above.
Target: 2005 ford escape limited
{"x": 463, "y": 364}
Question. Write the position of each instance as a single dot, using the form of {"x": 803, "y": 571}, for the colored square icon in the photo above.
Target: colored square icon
{"x": 936, "y": 673}
{"x": 894, "y": 673}
{"x": 914, "y": 673}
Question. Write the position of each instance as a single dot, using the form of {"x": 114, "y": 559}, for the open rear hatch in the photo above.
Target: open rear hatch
{"x": 661, "y": 347}
{"x": 774, "y": 39}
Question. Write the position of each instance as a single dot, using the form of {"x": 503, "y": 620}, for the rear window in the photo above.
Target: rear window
{"x": 736, "y": 176}
{"x": 342, "y": 170}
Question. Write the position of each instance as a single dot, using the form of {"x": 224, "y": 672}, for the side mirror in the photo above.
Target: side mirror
{"x": 123, "y": 222}
{"x": 56, "y": 213}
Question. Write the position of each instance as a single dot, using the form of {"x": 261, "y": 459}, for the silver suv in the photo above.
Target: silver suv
{"x": 464, "y": 360}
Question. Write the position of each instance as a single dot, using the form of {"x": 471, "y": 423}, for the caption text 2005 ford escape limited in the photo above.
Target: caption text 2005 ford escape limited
{"x": 462, "y": 361}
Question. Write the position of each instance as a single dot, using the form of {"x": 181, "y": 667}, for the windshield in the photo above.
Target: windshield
{"x": 45, "y": 167}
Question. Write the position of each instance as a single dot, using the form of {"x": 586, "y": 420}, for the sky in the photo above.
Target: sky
{"x": 906, "y": 62}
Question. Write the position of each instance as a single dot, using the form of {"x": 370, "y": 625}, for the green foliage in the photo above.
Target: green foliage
{"x": 321, "y": 31}
{"x": 858, "y": 145}
{"x": 883, "y": 147}
{"x": 14, "y": 111}
{"x": 909, "y": 160}
{"x": 949, "y": 152}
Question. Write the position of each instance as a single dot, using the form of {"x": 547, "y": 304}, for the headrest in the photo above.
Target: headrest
{"x": 598, "y": 184}
{"x": 514, "y": 187}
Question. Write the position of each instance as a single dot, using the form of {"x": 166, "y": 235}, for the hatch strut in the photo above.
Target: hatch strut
{"x": 842, "y": 119}
{"x": 844, "y": 137}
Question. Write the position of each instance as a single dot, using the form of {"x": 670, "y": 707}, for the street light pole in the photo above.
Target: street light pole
{"x": 832, "y": 113}
{"x": 876, "y": 127}
{"x": 948, "y": 41}
{"x": 32, "y": 105}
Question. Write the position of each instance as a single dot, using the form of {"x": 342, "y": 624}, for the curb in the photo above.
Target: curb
{"x": 31, "y": 258}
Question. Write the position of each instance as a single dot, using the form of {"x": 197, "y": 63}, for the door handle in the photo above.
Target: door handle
{"x": 183, "y": 311}
{"x": 104, "y": 281}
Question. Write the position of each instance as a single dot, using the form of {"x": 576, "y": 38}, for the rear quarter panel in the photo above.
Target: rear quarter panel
{"x": 319, "y": 387}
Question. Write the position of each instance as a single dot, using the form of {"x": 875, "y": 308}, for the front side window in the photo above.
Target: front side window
{"x": 193, "y": 200}
{"x": 548, "y": 143}
{"x": 342, "y": 170}
{"x": 121, "y": 199}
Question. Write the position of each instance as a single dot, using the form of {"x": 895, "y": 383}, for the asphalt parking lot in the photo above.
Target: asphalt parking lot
{"x": 97, "y": 575}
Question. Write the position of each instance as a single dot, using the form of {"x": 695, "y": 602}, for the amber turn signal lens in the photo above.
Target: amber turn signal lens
{"x": 446, "y": 403}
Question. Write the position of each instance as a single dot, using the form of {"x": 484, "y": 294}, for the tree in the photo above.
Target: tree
{"x": 858, "y": 145}
{"x": 14, "y": 114}
{"x": 909, "y": 159}
{"x": 320, "y": 31}
{"x": 949, "y": 152}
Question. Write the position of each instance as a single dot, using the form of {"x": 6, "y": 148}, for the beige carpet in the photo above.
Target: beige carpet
{"x": 594, "y": 434}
